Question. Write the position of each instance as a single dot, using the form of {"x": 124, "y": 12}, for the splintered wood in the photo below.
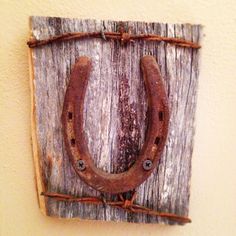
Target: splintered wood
{"x": 115, "y": 115}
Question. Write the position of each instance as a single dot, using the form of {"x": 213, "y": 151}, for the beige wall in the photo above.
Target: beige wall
{"x": 213, "y": 195}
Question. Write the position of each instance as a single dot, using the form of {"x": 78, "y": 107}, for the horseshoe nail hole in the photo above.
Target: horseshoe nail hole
{"x": 161, "y": 115}
{"x": 157, "y": 140}
{"x": 70, "y": 115}
{"x": 72, "y": 141}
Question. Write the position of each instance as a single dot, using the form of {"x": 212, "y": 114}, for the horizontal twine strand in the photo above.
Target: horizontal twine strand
{"x": 125, "y": 204}
{"x": 123, "y": 37}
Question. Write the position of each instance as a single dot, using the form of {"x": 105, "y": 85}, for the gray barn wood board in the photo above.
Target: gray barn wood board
{"x": 115, "y": 114}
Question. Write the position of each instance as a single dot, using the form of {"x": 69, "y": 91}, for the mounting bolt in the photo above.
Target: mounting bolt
{"x": 81, "y": 165}
{"x": 147, "y": 165}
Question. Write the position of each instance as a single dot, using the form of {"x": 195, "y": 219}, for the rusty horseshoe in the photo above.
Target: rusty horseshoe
{"x": 74, "y": 136}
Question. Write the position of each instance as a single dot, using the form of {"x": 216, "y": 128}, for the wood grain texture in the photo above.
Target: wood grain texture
{"x": 115, "y": 114}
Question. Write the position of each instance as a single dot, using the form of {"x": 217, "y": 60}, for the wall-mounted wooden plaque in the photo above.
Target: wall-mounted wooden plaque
{"x": 115, "y": 116}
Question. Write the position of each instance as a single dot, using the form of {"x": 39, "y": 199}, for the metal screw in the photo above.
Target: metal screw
{"x": 81, "y": 165}
{"x": 147, "y": 165}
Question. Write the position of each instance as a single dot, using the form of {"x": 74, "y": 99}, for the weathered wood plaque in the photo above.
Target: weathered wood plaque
{"x": 115, "y": 115}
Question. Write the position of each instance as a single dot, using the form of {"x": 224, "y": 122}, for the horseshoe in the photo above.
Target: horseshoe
{"x": 74, "y": 136}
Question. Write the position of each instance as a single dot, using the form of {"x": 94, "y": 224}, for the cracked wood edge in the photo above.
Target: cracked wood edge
{"x": 36, "y": 159}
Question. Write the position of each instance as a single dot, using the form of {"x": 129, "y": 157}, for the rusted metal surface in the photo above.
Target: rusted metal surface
{"x": 121, "y": 203}
{"x": 124, "y": 37}
{"x": 75, "y": 140}
{"x": 115, "y": 118}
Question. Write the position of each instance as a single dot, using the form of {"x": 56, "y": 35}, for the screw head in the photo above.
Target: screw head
{"x": 81, "y": 165}
{"x": 147, "y": 165}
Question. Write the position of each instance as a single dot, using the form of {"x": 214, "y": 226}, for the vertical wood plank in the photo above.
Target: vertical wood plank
{"x": 115, "y": 114}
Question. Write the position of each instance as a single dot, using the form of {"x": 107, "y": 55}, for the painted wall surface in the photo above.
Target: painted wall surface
{"x": 213, "y": 193}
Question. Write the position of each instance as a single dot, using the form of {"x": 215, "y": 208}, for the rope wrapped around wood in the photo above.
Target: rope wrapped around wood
{"x": 124, "y": 38}
{"x": 125, "y": 204}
